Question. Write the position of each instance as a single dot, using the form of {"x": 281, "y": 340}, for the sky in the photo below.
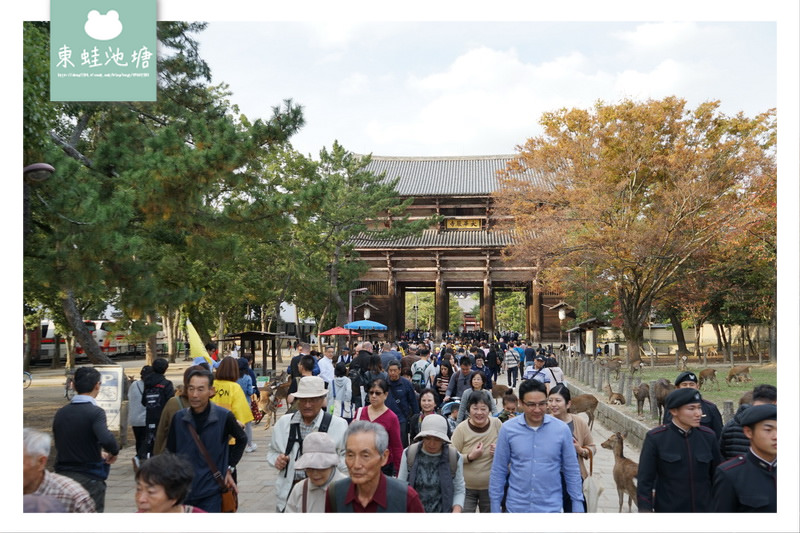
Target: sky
{"x": 447, "y": 78}
{"x": 478, "y": 88}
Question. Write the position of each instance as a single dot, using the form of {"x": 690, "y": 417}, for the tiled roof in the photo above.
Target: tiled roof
{"x": 432, "y": 238}
{"x": 444, "y": 176}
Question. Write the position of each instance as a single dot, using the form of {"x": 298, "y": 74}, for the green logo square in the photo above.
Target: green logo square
{"x": 103, "y": 50}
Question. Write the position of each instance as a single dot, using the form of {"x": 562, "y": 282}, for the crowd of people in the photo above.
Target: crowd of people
{"x": 397, "y": 428}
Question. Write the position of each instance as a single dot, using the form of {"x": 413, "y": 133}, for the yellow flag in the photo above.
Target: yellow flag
{"x": 196, "y": 347}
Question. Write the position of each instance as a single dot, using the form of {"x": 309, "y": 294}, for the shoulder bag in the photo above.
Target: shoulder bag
{"x": 230, "y": 500}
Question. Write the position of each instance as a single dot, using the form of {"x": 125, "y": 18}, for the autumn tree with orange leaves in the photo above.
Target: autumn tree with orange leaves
{"x": 634, "y": 190}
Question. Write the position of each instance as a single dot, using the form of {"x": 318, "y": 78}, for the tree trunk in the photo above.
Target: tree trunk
{"x": 720, "y": 347}
{"x": 82, "y": 335}
{"x": 342, "y": 315}
{"x": 675, "y": 320}
{"x": 56, "y": 361}
{"x": 729, "y": 344}
{"x": 69, "y": 344}
{"x": 151, "y": 346}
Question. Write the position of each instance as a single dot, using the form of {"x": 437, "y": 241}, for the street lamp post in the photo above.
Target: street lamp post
{"x": 350, "y": 304}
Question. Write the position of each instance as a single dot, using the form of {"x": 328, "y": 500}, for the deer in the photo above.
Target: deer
{"x": 641, "y": 393}
{"x": 740, "y": 373}
{"x": 498, "y": 391}
{"x": 269, "y": 401}
{"x": 711, "y": 352}
{"x": 614, "y": 398}
{"x": 615, "y": 365}
{"x": 709, "y": 374}
{"x": 584, "y": 403}
{"x": 662, "y": 389}
{"x": 625, "y": 471}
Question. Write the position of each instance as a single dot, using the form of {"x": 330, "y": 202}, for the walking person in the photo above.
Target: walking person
{"x": 85, "y": 448}
{"x": 402, "y": 401}
{"x": 248, "y": 387}
{"x": 711, "y": 417}
{"x": 678, "y": 459}
{"x": 340, "y": 394}
{"x": 475, "y": 438}
{"x": 434, "y": 468}
{"x": 286, "y": 444}
{"x": 203, "y": 430}
{"x": 137, "y": 416}
{"x": 512, "y": 365}
{"x": 162, "y": 485}
{"x": 477, "y": 386}
{"x": 378, "y": 412}
{"x": 319, "y": 462}
{"x": 559, "y": 402}
{"x": 427, "y": 406}
{"x": 533, "y": 452}
{"x": 748, "y": 483}
{"x": 368, "y": 489}
{"x": 157, "y": 391}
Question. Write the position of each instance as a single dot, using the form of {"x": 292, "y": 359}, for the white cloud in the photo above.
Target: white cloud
{"x": 355, "y": 84}
{"x": 659, "y": 35}
{"x": 665, "y": 79}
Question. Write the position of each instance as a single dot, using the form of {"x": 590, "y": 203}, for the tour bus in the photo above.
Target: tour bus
{"x": 111, "y": 342}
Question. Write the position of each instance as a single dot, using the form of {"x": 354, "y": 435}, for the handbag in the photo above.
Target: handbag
{"x": 257, "y": 413}
{"x": 591, "y": 490}
{"x": 230, "y": 500}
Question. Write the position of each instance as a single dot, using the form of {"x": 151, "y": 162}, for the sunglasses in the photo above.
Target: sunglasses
{"x": 375, "y": 392}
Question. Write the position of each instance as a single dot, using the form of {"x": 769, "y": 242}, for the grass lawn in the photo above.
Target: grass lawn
{"x": 765, "y": 374}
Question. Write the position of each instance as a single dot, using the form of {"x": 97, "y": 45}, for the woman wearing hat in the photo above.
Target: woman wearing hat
{"x": 319, "y": 460}
{"x": 434, "y": 468}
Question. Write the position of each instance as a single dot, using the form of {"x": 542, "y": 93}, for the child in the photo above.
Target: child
{"x": 450, "y": 411}
{"x": 510, "y": 405}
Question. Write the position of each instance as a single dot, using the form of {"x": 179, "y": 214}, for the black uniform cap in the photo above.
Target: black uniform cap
{"x": 680, "y": 397}
{"x": 685, "y": 376}
{"x": 757, "y": 413}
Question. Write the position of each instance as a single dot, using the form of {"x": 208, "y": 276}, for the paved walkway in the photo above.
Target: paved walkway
{"x": 257, "y": 477}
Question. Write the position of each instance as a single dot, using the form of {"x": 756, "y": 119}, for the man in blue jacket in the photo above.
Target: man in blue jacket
{"x": 402, "y": 399}
{"x": 214, "y": 426}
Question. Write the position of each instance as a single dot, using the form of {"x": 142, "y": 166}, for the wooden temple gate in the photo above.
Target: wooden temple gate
{"x": 462, "y": 253}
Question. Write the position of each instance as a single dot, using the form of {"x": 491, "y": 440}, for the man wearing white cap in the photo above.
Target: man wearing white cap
{"x": 319, "y": 460}
{"x": 435, "y": 468}
{"x": 286, "y": 445}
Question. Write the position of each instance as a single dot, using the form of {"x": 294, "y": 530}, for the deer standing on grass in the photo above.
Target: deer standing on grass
{"x": 625, "y": 470}
{"x": 641, "y": 393}
{"x": 710, "y": 375}
{"x": 614, "y": 398}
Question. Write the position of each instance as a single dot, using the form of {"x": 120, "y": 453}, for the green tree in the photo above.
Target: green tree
{"x": 147, "y": 207}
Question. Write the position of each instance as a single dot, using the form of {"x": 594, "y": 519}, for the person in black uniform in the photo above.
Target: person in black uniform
{"x": 712, "y": 418}
{"x": 733, "y": 442}
{"x": 678, "y": 460}
{"x": 748, "y": 483}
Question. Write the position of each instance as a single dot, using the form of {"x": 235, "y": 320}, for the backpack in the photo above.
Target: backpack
{"x": 411, "y": 454}
{"x": 418, "y": 378}
{"x": 295, "y": 438}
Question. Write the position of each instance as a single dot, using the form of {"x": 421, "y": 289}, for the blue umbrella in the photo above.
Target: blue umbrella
{"x": 365, "y": 325}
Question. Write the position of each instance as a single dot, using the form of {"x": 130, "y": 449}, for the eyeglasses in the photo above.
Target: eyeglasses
{"x": 375, "y": 392}
{"x": 531, "y": 405}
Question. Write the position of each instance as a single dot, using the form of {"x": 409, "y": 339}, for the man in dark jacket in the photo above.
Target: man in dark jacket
{"x": 733, "y": 441}
{"x": 85, "y": 448}
{"x": 748, "y": 482}
{"x": 157, "y": 390}
{"x": 678, "y": 460}
{"x": 712, "y": 419}
{"x": 214, "y": 425}
{"x": 362, "y": 359}
{"x": 402, "y": 399}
